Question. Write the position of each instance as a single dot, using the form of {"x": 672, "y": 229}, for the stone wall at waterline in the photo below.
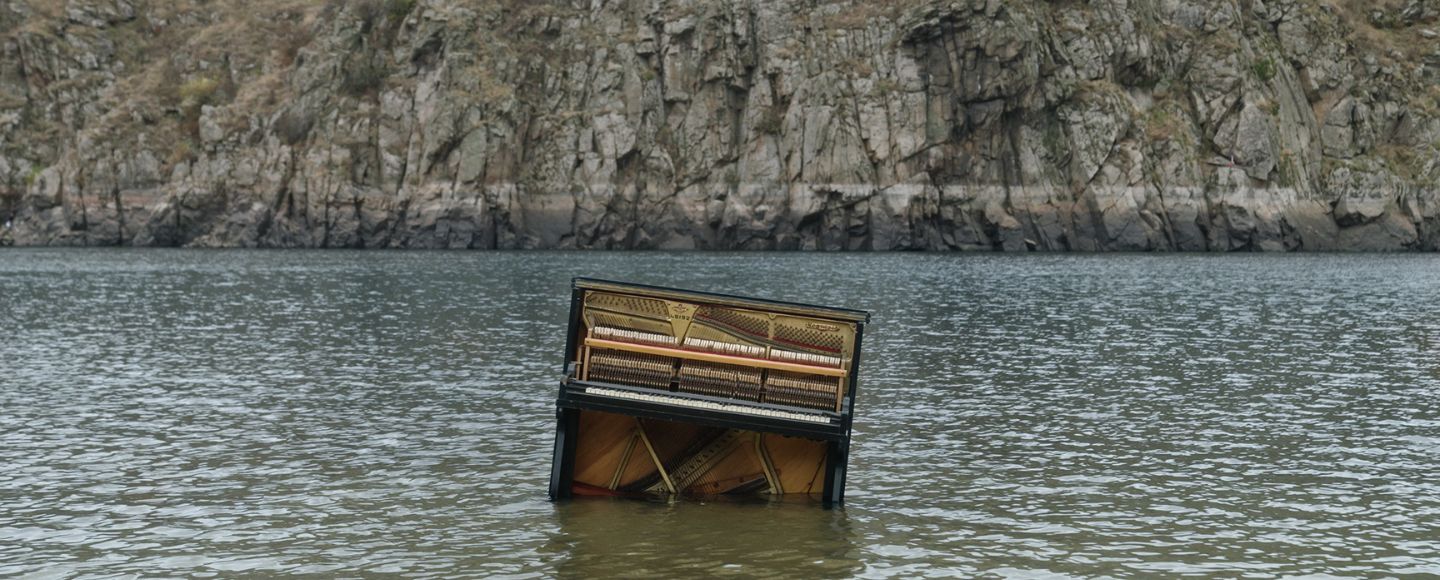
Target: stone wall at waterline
{"x": 1204, "y": 125}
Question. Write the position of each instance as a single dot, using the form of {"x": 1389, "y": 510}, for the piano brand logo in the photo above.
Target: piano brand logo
{"x": 682, "y": 311}
{"x": 824, "y": 327}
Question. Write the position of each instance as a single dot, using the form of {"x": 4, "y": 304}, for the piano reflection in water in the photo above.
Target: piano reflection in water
{"x": 671, "y": 391}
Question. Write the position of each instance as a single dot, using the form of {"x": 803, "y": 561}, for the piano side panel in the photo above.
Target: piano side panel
{"x": 601, "y": 442}
{"x": 800, "y": 463}
{"x": 567, "y": 428}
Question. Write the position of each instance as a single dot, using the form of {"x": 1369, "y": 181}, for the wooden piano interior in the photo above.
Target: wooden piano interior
{"x": 614, "y": 457}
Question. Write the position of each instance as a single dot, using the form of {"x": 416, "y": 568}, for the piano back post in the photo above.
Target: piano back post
{"x": 567, "y": 421}
{"x": 838, "y": 452}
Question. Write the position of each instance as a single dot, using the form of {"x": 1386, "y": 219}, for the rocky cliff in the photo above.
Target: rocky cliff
{"x": 756, "y": 124}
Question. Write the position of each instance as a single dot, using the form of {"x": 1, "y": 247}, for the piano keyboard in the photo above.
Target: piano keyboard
{"x": 724, "y": 407}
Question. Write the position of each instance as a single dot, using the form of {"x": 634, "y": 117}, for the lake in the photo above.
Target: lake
{"x": 214, "y": 412}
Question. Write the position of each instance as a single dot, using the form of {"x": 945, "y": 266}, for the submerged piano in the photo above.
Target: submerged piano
{"x": 678, "y": 392}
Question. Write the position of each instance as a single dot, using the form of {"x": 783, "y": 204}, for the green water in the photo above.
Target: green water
{"x": 217, "y": 412}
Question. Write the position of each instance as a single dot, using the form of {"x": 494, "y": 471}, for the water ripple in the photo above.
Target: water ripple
{"x": 200, "y": 412}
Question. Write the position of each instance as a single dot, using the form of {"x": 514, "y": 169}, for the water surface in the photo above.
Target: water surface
{"x": 196, "y": 412}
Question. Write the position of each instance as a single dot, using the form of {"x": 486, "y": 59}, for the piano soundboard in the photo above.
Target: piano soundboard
{"x": 681, "y": 392}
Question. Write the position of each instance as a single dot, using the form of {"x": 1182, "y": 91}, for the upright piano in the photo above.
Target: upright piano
{"x": 671, "y": 391}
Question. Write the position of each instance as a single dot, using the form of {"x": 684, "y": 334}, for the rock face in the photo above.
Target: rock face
{"x": 754, "y": 124}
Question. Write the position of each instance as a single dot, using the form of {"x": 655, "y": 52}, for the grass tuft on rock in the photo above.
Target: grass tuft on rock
{"x": 1264, "y": 69}
{"x": 197, "y": 92}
